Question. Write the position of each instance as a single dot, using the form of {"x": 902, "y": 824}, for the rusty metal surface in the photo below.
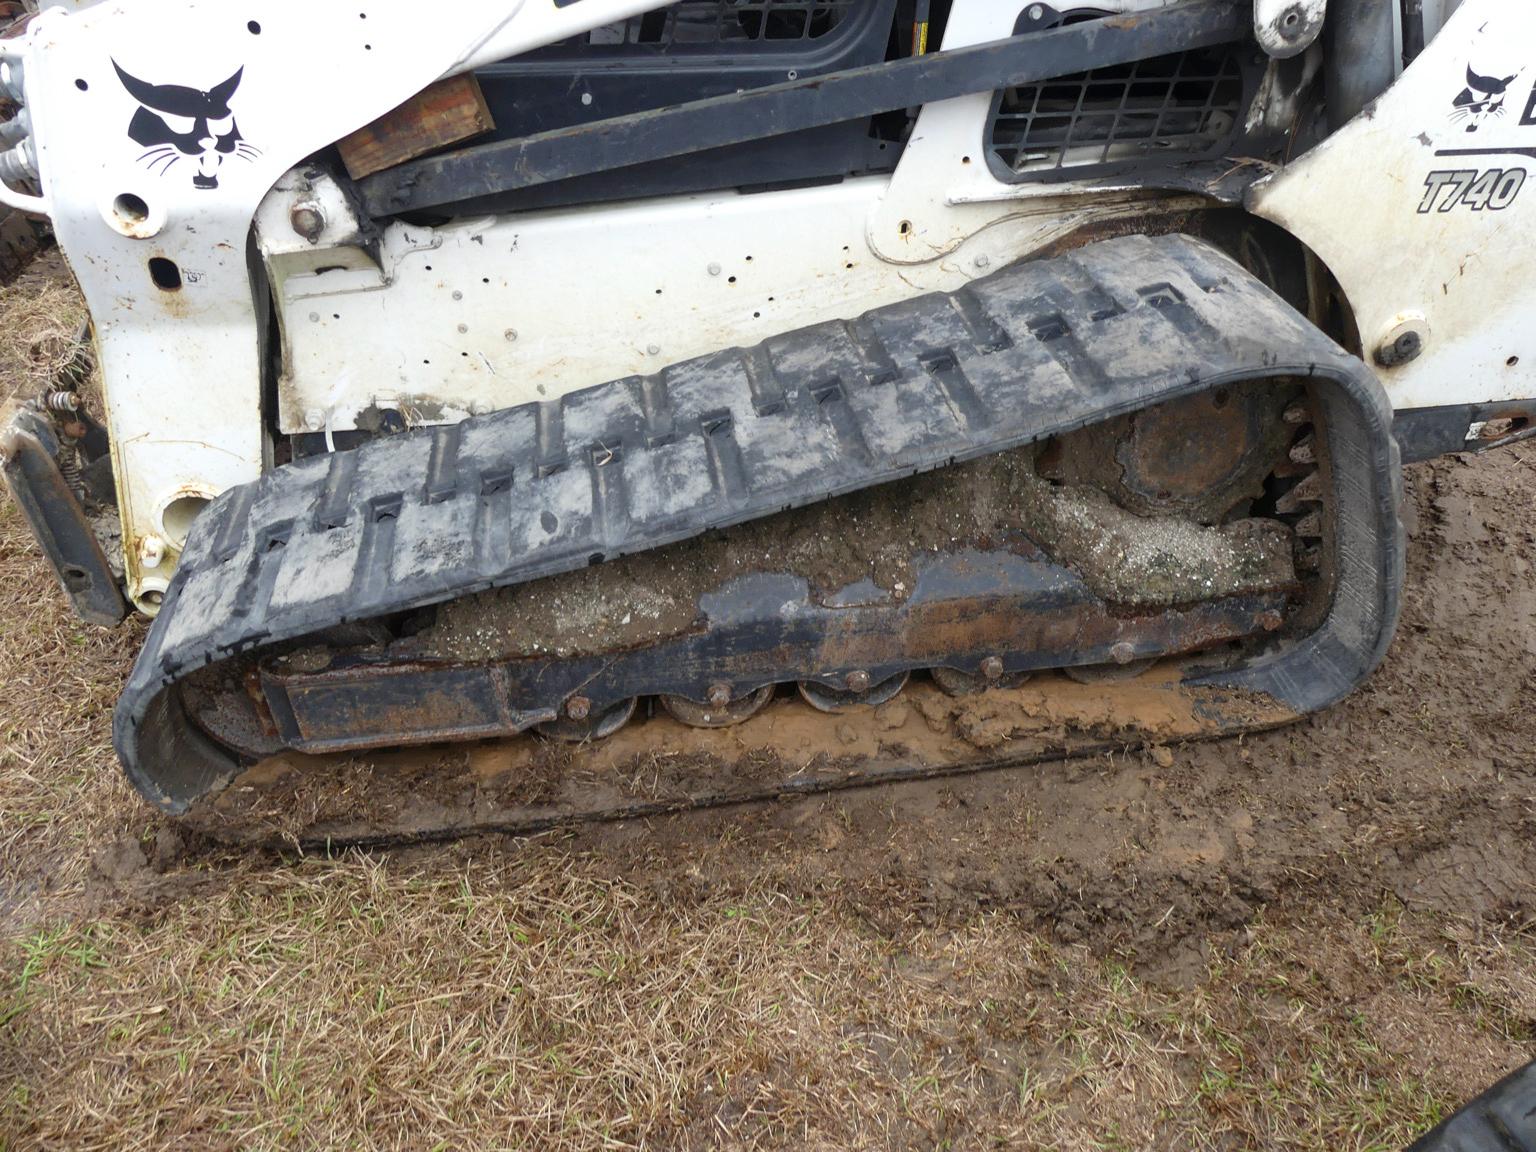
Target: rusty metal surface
{"x": 998, "y": 609}
{"x": 1197, "y": 457}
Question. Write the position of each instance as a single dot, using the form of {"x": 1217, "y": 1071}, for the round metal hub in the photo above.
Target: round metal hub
{"x": 825, "y": 699}
{"x": 1198, "y": 457}
{"x": 697, "y": 715}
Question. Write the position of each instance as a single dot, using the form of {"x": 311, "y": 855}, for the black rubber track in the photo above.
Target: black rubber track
{"x": 1032, "y": 351}
{"x": 1502, "y": 1119}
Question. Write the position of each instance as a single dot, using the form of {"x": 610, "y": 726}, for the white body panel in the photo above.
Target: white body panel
{"x": 487, "y": 313}
{"x": 185, "y": 417}
{"x": 1418, "y": 251}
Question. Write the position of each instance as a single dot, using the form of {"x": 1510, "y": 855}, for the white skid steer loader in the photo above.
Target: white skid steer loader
{"x": 656, "y": 377}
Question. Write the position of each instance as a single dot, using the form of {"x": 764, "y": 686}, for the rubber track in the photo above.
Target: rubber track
{"x": 1502, "y": 1119}
{"x": 1034, "y": 350}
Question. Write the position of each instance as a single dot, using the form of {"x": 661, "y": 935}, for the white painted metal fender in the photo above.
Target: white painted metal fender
{"x": 1424, "y": 209}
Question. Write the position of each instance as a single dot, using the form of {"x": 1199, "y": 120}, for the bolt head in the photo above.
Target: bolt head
{"x": 858, "y": 681}
{"x": 1123, "y": 652}
{"x": 714, "y": 269}
{"x": 1406, "y": 346}
{"x": 1270, "y": 621}
{"x": 510, "y": 334}
{"x": 307, "y": 220}
{"x": 314, "y": 419}
{"x": 719, "y": 695}
{"x": 992, "y": 668}
{"x": 578, "y": 707}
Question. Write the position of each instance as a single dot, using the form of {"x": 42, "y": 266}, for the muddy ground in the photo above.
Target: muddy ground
{"x": 1318, "y": 937}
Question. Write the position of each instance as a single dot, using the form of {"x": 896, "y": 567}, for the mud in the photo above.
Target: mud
{"x": 878, "y": 538}
{"x": 657, "y": 763}
{"x": 1421, "y": 787}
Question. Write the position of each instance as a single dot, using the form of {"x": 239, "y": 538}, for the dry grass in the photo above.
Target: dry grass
{"x": 42, "y": 313}
{"x": 524, "y": 995}
{"x": 530, "y": 1001}
{"x": 61, "y": 792}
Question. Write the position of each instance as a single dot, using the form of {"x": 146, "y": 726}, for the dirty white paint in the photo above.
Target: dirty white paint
{"x": 1424, "y": 207}
{"x": 486, "y": 313}
{"x": 181, "y": 365}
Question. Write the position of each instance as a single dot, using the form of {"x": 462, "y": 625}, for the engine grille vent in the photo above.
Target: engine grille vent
{"x": 1161, "y": 110}
{"x": 717, "y": 22}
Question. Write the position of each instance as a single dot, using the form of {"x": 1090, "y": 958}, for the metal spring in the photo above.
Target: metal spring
{"x": 62, "y": 401}
{"x": 69, "y": 468}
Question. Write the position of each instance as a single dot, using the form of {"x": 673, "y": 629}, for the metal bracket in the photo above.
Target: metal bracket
{"x": 28, "y": 460}
{"x": 1287, "y": 28}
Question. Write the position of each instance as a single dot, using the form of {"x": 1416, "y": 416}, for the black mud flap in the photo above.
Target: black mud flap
{"x": 1033, "y": 351}
{"x": 1502, "y": 1119}
{"x": 29, "y": 451}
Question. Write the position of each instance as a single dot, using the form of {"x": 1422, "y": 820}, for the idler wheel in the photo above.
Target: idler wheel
{"x": 577, "y": 724}
{"x": 825, "y": 699}
{"x": 697, "y": 715}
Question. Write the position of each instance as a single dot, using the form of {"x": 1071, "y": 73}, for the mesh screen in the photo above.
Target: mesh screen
{"x": 1185, "y": 105}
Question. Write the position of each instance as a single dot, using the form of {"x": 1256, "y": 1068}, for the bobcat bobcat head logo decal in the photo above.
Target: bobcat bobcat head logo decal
{"x": 1481, "y": 100}
{"x": 176, "y": 123}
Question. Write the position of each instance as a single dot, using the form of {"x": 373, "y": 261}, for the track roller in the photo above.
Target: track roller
{"x": 1109, "y": 673}
{"x": 721, "y": 712}
{"x": 579, "y": 724}
{"x": 825, "y": 699}
{"x": 953, "y": 682}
